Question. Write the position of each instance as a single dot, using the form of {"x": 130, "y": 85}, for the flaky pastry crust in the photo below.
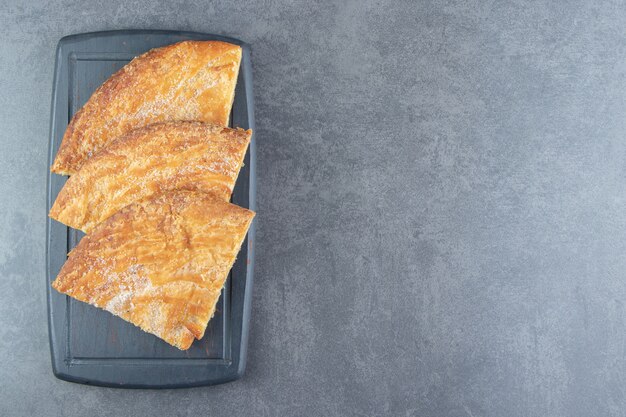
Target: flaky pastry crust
{"x": 190, "y": 80}
{"x": 152, "y": 160}
{"x": 159, "y": 263}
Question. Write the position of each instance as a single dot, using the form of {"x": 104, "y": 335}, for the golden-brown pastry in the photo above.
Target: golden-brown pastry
{"x": 150, "y": 160}
{"x": 159, "y": 263}
{"x": 190, "y": 80}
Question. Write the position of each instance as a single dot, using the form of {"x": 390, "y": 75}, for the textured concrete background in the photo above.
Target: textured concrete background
{"x": 441, "y": 208}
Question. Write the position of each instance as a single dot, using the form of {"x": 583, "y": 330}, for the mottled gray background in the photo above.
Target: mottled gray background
{"x": 441, "y": 208}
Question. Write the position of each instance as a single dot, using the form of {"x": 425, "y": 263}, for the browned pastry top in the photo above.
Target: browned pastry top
{"x": 190, "y": 80}
{"x": 159, "y": 263}
{"x": 150, "y": 160}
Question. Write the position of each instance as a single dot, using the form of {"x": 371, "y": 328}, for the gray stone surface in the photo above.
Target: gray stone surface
{"x": 441, "y": 208}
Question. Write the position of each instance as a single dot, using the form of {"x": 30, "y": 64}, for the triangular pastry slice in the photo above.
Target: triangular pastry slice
{"x": 190, "y": 80}
{"x": 159, "y": 263}
{"x": 150, "y": 160}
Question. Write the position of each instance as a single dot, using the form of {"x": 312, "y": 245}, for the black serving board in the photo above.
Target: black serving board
{"x": 89, "y": 345}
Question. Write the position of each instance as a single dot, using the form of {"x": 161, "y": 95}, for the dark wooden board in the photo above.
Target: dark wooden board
{"x": 89, "y": 345}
